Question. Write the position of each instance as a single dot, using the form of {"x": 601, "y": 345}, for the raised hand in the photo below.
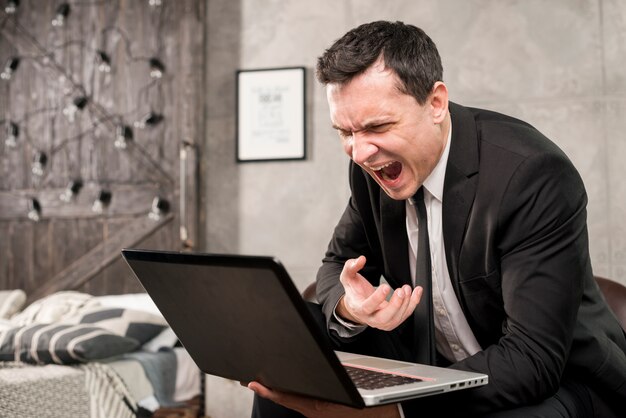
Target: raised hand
{"x": 368, "y": 305}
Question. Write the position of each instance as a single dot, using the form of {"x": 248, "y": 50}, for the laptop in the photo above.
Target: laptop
{"x": 242, "y": 318}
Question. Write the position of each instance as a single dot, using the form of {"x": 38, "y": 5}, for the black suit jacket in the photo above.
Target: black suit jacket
{"x": 515, "y": 234}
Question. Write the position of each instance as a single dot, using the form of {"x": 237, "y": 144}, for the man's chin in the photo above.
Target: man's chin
{"x": 394, "y": 189}
{"x": 398, "y": 194}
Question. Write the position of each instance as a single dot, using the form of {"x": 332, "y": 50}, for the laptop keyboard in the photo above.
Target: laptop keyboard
{"x": 370, "y": 379}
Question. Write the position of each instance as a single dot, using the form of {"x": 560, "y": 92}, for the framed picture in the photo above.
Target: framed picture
{"x": 271, "y": 120}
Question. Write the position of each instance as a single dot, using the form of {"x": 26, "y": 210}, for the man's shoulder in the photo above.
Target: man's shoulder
{"x": 507, "y": 134}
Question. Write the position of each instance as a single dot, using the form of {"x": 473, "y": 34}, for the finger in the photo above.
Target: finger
{"x": 262, "y": 391}
{"x": 390, "y": 316}
{"x": 405, "y": 310}
{"x": 389, "y": 319}
{"x": 414, "y": 300}
{"x": 351, "y": 268}
{"x": 373, "y": 302}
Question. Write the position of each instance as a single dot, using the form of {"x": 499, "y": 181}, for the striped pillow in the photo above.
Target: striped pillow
{"x": 61, "y": 344}
{"x": 140, "y": 325}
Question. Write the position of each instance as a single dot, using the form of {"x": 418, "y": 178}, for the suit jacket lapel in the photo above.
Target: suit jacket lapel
{"x": 459, "y": 186}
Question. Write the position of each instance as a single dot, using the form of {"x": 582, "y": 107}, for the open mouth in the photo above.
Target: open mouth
{"x": 389, "y": 172}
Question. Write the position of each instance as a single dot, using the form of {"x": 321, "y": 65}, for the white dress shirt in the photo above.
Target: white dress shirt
{"x": 454, "y": 337}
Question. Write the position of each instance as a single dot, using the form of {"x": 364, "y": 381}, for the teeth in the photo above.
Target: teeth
{"x": 381, "y": 167}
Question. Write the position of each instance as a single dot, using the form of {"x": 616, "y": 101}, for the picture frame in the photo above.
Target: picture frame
{"x": 271, "y": 114}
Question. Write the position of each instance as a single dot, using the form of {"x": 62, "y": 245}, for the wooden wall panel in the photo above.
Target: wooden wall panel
{"x": 60, "y": 64}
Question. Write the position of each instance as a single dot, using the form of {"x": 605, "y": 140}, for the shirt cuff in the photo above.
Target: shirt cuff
{"x": 343, "y": 328}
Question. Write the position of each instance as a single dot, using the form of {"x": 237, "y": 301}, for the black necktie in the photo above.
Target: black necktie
{"x": 423, "y": 315}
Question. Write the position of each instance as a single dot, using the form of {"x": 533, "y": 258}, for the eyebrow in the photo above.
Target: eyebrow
{"x": 366, "y": 126}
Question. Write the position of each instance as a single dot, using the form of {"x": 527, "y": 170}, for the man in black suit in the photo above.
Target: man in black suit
{"x": 511, "y": 292}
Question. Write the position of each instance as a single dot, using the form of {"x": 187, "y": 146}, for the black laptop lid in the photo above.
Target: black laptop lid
{"x": 241, "y": 318}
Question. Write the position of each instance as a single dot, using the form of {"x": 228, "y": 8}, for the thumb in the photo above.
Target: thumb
{"x": 351, "y": 268}
{"x": 355, "y": 265}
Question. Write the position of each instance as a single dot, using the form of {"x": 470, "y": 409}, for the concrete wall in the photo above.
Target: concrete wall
{"x": 556, "y": 63}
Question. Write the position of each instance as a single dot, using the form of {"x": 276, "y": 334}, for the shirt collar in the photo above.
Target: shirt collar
{"x": 434, "y": 182}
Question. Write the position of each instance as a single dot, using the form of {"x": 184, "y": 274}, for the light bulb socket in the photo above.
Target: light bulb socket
{"x": 105, "y": 197}
{"x": 12, "y": 64}
{"x": 74, "y": 186}
{"x": 160, "y": 204}
{"x": 13, "y": 129}
{"x": 41, "y": 158}
{"x": 63, "y": 9}
{"x": 103, "y": 57}
{"x": 125, "y": 132}
{"x": 80, "y": 102}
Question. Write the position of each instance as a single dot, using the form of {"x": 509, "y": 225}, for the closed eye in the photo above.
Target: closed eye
{"x": 383, "y": 127}
{"x": 343, "y": 134}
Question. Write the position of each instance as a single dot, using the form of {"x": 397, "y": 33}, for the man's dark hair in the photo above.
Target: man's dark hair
{"x": 406, "y": 49}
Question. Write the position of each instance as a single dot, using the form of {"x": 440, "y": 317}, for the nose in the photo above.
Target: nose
{"x": 362, "y": 149}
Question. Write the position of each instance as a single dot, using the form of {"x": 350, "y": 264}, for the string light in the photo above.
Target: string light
{"x": 156, "y": 68}
{"x": 11, "y": 7}
{"x": 63, "y": 12}
{"x": 123, "y": 136}
{"x": 13, "y": 132}
{"x": 124, "y": 133}
{"x": 102, "y": 202}
{"x": 150, "y": 119}
{"x": 77, "y": 104}
{"x": 10, "y": 67}
{"x": 34, "y": 210}
{"x": 39, "y": 163}
{"x": 104, "y": 61}
{"x": 160, "y": 206}
{"x": 71, "y": 191}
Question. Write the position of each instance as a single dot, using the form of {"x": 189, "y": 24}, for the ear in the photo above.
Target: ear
{"x": 438, "y": 101}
